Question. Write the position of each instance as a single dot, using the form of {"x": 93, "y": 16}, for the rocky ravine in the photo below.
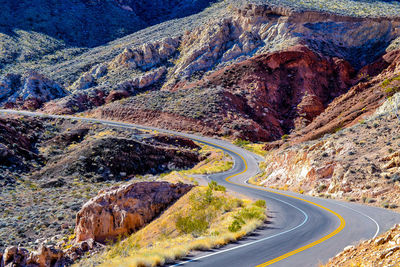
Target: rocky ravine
{"x": 116, "y": 212}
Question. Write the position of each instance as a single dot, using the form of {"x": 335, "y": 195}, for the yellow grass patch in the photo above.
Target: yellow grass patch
{"x": 162, "y": 241}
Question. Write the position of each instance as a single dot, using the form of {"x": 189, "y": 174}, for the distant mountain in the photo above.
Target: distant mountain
{"x": 90, "y": 23}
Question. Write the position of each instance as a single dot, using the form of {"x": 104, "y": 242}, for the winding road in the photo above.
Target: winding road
{"x": 301, "y": 230}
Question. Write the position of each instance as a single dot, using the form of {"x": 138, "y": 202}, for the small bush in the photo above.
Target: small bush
{"x": 250, "y": 213}
{"x": 235, "y": 226}
{"x": 192, "y": 225}
{"x": 213, "y": 185}
{"x": 260, "y": 203}
{"x": 241, "y": 142}
{"x": 285, "y": 137}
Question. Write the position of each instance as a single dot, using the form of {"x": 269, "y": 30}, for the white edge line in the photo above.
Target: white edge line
{"x": 376, "y": 223}
{"x": 253, "y": 242}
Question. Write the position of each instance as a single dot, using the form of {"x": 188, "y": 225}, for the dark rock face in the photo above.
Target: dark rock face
{"x": 158, "y": 10}
{"x": 124, "y": 210}
{"x": 17, "y": 140}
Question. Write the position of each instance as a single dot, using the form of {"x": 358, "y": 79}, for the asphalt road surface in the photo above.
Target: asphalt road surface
{"x": 301, "y": 230}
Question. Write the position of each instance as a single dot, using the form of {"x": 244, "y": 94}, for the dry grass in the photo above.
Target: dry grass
{"x": 257, "y": 148}
{"x": 215, "y": 161}
{"x": 162, "y": 242}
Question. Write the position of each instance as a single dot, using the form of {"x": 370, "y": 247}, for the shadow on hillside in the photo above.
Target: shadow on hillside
{"x": 90, "y": 23}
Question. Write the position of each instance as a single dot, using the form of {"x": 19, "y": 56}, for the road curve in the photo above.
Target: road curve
{"x": 301, "y": 230}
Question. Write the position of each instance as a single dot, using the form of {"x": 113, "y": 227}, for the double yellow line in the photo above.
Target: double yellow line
{"x": 293, "y": 252}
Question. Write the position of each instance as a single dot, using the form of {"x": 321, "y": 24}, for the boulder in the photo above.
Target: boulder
{"x": 122, "y": 211}
{"x": 46, "y": 256}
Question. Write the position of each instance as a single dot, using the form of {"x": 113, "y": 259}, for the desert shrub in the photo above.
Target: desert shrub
{"x": 235, "y": 226}
{"x": 204, "y": 207}
{"x": 192, "y": 225}
{"x": 249, "y": 213}
{"x": 232, "y": 203}
{"x": 285, "y": 137}
{"x": 213, "y": 185}
{"x": 241, "y": 142}
{"x": 260, "y": 203}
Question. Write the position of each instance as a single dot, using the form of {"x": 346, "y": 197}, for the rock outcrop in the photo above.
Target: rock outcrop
{"x": 122, "y": 211}
{"x": 383, "y": 250}
{"x": 148, "y": 55}
{"x": 85, "y": 97}
{"x": 116, "y": 212}
{"x": 43, "y": 257}
{"x": 29, "y": 91}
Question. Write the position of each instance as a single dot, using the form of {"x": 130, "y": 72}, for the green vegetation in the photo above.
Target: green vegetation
{"x": 285, "y": 137}
{"x": 390, "y": 90}
{"x": 204, "y": 208}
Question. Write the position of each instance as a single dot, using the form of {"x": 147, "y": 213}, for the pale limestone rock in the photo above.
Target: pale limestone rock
{"x": 122, "y": 211}
{"x": 151, "y": 77}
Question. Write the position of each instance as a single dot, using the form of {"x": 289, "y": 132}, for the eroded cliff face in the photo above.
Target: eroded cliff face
{"x": 359, "y": 163}
{"x": 349, "y": 151}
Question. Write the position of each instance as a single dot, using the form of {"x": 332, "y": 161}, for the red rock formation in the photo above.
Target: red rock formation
{"x": 360, "y": 101}
{"x": 121, "y": 211}
{"x": 283, "y": 90}
{"x": 262, "y": 98}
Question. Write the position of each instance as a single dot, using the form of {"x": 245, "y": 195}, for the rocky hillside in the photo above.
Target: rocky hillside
{"x": 89, "y": 23}
{"x": 114, "y": 213}
{"x": 229, "y": 37}
{"x": 351, "y": 150}
{"x": 49, "y": 168}
{"x": 383, "y": 250}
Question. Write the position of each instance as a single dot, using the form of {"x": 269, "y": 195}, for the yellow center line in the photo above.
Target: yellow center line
{"x": 293, "y": 252}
